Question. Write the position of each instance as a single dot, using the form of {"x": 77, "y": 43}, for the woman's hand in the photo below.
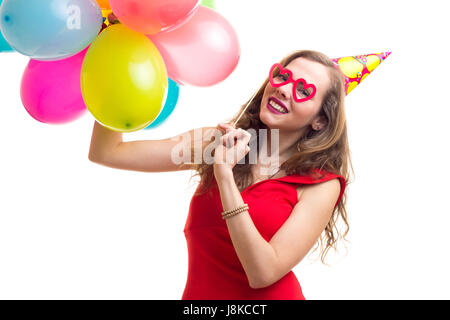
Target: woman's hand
{"x": 233, "y": 147}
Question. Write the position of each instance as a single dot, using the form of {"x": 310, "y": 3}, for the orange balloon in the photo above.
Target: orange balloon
{"x": 104, "y": 4}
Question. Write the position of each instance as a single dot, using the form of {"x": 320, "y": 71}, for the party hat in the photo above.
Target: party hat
{"x": 357, "y": 68}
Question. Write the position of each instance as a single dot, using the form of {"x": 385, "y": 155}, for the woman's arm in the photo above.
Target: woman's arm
{"x": 107, "y": 148}
{"x": 267, "y": 262}
{"x": 103, "y": 140}
{"x": 256, "y": 255}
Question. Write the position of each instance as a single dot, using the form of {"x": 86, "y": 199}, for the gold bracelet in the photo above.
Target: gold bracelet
{"x": 233, "y": 212}
{"x": 235, "y": 209}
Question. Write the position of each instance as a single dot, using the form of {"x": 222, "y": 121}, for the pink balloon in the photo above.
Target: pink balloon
{"x": 202, "y": 52}
{"x": 153, "y": 16}
{"x": 51, "y": 90}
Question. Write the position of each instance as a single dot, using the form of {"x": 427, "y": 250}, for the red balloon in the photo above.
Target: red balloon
{"x": 153, "y": 16}
{"x": 202, "y": 52}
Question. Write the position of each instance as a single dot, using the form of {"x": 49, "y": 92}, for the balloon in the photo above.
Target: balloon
{"x": 202, "y": 52}
{"x": 51, "y": 91}
{"x": 104, "y": 4}
{"x": 169, "y": 106}
{"x": 105, "y": 14}
{"x": 49, "y": 29}
{"x": 209, "y": 3}
{"x": 153, "y": 16}
{"x": 4, "y": 46}
{"x": 123, "y": 79}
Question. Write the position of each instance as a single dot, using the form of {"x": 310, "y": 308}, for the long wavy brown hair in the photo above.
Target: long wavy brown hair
{"x": 326, "y": 149}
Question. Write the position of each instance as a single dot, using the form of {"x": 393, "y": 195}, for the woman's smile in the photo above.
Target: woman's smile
{"x": 276, "y": 106}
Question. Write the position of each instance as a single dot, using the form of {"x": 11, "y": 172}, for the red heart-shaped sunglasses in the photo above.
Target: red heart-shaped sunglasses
{"x": 301, "y": 90}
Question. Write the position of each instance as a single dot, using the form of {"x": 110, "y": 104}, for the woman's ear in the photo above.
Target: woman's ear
{"x": 319, "y": 123}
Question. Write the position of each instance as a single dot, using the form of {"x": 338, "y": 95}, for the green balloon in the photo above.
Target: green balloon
{"x": 209, "y": 3}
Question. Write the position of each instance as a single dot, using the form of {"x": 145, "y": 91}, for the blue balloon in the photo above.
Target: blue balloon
{"x": 50, "y": 29}
{"x": 4, "y": 46}
{"x": 171, "y": 101}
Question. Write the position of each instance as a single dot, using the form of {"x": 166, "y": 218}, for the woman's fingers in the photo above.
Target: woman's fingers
{"x": 236, "y": 136}
{"x": 226, "y": 127}
{"x": 233, "y": 136}
{"x": 241, "y": 134}
{"x": 234, "y": 146}
{"x": 230, "y": 138}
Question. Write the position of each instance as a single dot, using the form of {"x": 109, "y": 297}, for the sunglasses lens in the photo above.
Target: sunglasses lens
{"x": 274, "y": 74}
{"x": 278, "y": 77}
{"x": 301, "y": 92}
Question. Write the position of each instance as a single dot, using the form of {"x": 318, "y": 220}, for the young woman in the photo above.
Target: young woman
{"x": 250, "y": 223}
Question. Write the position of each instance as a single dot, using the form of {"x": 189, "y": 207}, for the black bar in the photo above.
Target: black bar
{"x": 225, "y": 309}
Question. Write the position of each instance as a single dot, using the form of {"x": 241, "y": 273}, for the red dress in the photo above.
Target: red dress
{"x": 214, "y": 269}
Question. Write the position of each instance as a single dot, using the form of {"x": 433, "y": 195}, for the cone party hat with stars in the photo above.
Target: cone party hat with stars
{"x": 357, "y": 68}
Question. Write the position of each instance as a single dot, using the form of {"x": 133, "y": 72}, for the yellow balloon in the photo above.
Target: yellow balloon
{"x": 123, "y": 79}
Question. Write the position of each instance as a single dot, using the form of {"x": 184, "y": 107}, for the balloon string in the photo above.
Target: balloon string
{"x": 243, "y": 111}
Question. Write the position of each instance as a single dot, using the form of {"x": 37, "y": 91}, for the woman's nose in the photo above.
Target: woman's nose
{"x": 284, "y": 91}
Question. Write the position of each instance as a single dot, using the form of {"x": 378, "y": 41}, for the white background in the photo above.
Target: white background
{"x": 71, "y": 229}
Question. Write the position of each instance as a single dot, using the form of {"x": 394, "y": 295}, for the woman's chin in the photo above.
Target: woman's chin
{"x": 268, "y": 120}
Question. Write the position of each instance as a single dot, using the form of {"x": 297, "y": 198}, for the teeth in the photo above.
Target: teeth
{"x": 276, "y": 106}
